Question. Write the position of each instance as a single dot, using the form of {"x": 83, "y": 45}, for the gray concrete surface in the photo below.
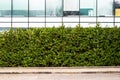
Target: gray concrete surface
{"x": 100, "y": 76}
{"x": 59, "y": 69}
{"x": 60, "y": 73}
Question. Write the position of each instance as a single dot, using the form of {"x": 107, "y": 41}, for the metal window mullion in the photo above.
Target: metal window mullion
{"x": 11, "y": 13}
{"x": 62, "y": 10}
{"x": 28, "y": 12}
{"x": 45, "y": 13}
{"x": 114, "y": 13}
{"x": 96, "y": 12}
{"x": 79, "y": 12}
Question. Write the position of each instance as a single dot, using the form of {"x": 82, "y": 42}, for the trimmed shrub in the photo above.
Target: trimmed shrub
{"x": 52, "y": 47}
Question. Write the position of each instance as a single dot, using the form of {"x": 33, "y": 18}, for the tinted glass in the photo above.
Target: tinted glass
{"x": 37, "y": 8}
{"x": 5, "y": 8}
{"x": 105, "y": 8}
{"x": 88, "y": 7}
{"x": 53, "y": 7}
{"x": 20, "y": 8}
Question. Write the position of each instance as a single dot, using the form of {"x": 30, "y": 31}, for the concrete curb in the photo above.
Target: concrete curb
{"x": 58, "y": 70}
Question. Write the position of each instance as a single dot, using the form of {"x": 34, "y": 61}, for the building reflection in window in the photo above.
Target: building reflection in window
{"x": 53, "y": 7}
{"x": 5, "y": 8}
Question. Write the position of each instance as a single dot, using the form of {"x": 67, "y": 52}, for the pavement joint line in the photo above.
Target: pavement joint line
{"x": 56, "y": 72}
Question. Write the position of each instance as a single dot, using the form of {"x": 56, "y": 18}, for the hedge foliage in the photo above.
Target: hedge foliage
{"x": 52, "y": 47}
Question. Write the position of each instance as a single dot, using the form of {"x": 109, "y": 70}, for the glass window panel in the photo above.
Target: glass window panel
{"x": 71, "y": 12}
{"x": 71, "y": 19}
{"x": 36, "y": 19}
{"x": 20, "y": 25}
{"x": 103, "y": 25}
{"x": 88, "y": 7}
{"x": 87, "y": 25}
{"x": 105, "y": 19}
{"x": 20, "y": 8}
{"x": 117, "y": 12}
{"x": 105, "y": 8}
{"x": 37, "y": 8}
{"x": 54, "y": 19}
{"x": 87, "y": 19}
{"x": 20, "y": 19}
{"x": 105, "y": 11}
{"x": 53, "y": 7}
{"x": 117, "y": 8}
{"x": 53, "y": 24}
{"x": 36, "y": 25}
{"x": 71, "y": 7}
{"x": 70, "y": 24}
{"x": 117, "y": 24}
{"x": 37, "y": 11}
{"x": 4, "y": 26}
{"x": 117, "y": 19}
{"x": 5, "y": 8}
{"x": 5, "y": 19}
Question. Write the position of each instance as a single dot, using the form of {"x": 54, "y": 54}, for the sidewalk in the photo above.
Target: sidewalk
{"x": 53, "y": 70}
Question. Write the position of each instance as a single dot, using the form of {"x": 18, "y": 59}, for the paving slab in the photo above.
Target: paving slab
{"x": 60, "y": 73}
{"x": 52, "y": 70}
{"x": 100, "y": 76}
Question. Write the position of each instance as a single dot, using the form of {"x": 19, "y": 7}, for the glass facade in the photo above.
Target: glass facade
{"x": 54, "y": 8}
{"x": 20, "y": 8}
{"x": 5, "y": 14}
{"x": 71, "y": 13}
{"x": 5, "y": 8}
{"x": 37, "y": 9}
{"x": 87, "y": 7}
{"x": 42, "y": 13}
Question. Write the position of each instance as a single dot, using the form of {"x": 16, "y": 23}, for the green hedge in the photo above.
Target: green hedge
{"x": 52, "y": 47}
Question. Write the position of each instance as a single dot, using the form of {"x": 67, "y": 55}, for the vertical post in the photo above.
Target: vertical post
{"x": 28, "y": 14}
{"x": 45, "y": 13}
{"x": 96, "y": 12}
{"x": 79, "y": 12}
{"x": 62, "y": 11}
{"x": 114, "y": 13}
{"x": 11, "y": 12}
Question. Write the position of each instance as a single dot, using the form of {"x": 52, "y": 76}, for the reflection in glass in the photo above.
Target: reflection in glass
{"x": 37, "y": 8}
{"x": 20, "y": 8}
{"x": 105, "y": 8}
{"x": 71, "y": 7}
{"x": 53, "y": 7}
{"x": 117, "y": 8}
{"x": 5, "y": 8}
{"x": 88, "y": 7}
